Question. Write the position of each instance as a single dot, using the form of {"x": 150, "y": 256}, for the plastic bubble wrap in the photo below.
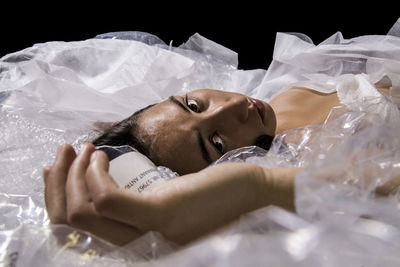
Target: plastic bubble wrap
{"x": 60, "y": 92}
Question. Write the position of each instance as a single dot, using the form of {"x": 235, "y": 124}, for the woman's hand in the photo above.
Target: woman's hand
{"x": 68, "y": 200}
{"x": 181, "y": 209}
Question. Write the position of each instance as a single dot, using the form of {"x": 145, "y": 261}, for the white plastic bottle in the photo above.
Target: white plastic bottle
{"x": 131, "y": 169}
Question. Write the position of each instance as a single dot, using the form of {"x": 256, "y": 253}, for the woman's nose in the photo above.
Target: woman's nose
{"x": 233, "y": 107}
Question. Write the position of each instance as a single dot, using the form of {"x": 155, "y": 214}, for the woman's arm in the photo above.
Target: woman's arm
{"x": 186, "y": 207}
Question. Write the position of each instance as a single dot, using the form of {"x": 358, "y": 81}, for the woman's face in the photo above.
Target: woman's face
{"x": 187, "y": 133}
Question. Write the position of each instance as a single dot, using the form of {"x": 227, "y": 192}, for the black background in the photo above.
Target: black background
{"x": 246, "y": 27}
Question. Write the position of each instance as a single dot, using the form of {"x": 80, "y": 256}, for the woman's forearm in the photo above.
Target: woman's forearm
{"x": 208, "y": 199}
{"x": 279, "y": 187}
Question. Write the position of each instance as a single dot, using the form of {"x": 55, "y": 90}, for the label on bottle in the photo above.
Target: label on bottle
{"x": 135, "y": 171}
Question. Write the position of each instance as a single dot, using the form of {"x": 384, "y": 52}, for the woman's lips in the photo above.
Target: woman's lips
{"x": 260, "y": 108}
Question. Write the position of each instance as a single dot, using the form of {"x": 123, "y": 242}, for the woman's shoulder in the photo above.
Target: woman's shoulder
{"x": 301, "y": 106}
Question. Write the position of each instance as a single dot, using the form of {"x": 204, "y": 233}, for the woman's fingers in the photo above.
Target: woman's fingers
{"x": 138, "y": 210}
{"x": 46, "y": 171}
{"x": 55, "y": 178}
{"x": 98, "y": 178}
{"x": 80, "y": 209}
{"x": 102, "y": 187}
{"x": 76, "y": 186}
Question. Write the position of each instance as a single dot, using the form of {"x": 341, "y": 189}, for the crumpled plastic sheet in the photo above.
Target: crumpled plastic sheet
{"x": 340, "y": 219}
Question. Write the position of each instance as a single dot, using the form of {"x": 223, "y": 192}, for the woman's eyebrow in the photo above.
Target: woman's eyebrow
{"x": 204, "y": 151}
{"x": 176, "y": 102}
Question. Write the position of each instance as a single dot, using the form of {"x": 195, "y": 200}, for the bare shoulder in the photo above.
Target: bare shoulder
{"x": 306, "y": 90}
{"x": 300, "y": 106}
{"x": 295, "y": 93}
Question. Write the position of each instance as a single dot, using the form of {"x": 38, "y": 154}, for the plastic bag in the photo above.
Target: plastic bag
{"x": 55, "y": 93}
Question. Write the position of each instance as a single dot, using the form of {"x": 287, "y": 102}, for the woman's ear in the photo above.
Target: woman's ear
{"x": 103, "y": 126}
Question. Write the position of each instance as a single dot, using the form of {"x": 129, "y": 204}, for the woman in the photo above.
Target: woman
{"x": 185, "y": 133}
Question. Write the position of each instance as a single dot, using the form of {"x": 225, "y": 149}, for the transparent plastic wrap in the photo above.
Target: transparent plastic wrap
{"x": 63, "y": 92}
{"x": 60, "y": 245}
{"x": 343, "y": 215}
{"x": 297, "y": 61}
{"x": 50, "y": 95}
{"x": 144, "y": 37}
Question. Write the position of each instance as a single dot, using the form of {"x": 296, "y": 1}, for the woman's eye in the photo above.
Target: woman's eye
{"x": 218, "y": 143}
{"x": 192, "y": 104}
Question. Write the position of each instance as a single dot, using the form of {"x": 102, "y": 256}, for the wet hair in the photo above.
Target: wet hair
{"x": 125, "y": 132}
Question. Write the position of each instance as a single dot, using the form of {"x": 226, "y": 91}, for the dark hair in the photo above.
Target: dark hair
{"x": 125, "y": 132}
{"x": 264, "y": 141}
